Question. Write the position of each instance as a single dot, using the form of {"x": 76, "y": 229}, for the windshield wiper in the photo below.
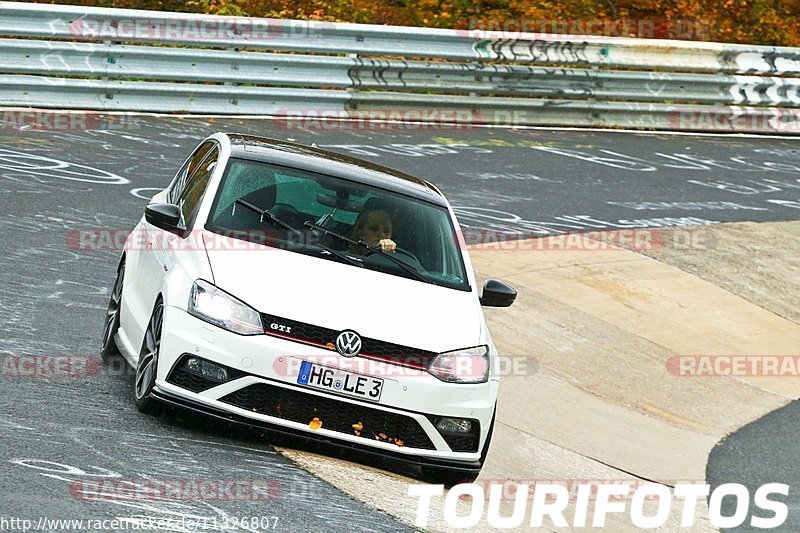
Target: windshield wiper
{"x": 361, "y": 244}
{"x": 267, "y": 214}
{"x": 273, "y": 218}
{"x": 340, "y": 255}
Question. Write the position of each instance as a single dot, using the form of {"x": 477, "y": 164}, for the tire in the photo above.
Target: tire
{"x": 147, "y": 366}
{"x": 448, "y": 476}
{"x": 111, "y": 324}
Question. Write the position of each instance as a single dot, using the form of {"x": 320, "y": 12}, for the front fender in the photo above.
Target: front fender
{"x": 189, "y": 263}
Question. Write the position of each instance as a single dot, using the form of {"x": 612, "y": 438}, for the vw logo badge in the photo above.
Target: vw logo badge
{"x": 348, "y": 343}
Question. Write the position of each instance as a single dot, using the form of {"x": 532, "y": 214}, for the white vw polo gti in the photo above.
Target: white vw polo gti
{"x": 313, "y": 294}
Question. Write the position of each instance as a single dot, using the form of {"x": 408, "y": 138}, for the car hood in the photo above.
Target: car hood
{"x": 339, "y": 296}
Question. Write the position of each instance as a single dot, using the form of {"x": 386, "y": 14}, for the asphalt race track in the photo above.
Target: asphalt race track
{"x": 60, "y": 435}
{"x": 763, "y": 451}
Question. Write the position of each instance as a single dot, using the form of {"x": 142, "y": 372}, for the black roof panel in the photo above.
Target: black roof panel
{"x": 329, "y": 163}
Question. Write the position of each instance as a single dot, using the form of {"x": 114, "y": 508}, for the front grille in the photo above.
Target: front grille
{"x": 336, "y": 415}
{"x": 461, "y": 443}
{"x": 370, "y": 348}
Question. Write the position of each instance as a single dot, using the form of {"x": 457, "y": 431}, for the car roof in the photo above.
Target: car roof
{"x": 329, "y": 163}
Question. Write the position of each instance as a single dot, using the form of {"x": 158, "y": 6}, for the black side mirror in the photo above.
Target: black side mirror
{"x": 164, "y": 216}
{"x": 497, "y": 294}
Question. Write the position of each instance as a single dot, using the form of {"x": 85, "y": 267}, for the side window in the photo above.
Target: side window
{"x": 195, "y": 186}
{"x": 177, "y": 184}
{"x": 188, "y": 168}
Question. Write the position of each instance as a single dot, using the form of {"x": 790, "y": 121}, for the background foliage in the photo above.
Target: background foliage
{"x": 770, "y": 22}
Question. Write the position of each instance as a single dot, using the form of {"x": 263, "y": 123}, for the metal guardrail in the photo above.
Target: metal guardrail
{"x": 82, "y": 57}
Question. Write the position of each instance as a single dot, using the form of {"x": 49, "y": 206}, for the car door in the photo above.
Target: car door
{"x": 151, "y": 258}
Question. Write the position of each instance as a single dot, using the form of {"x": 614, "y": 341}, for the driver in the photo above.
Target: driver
{"x": 374, "y": 227}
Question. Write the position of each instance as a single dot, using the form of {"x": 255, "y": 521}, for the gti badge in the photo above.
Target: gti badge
{"x": 348, "y": 343}
{"x": 280, "y": 327}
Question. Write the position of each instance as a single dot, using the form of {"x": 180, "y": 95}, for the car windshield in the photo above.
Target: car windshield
{"x": 338, "y": 220}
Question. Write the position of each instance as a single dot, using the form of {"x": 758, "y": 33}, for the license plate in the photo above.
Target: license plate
{"x": 323, "y": 377}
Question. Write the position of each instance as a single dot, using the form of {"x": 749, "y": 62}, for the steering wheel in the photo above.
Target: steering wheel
{"x": 403, "y": 251}
{"x": 399, "y": 251}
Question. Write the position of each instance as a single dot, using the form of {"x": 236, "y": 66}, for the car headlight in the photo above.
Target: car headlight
{"x": 216, "y": 306}
{"x": 470, "y": 365}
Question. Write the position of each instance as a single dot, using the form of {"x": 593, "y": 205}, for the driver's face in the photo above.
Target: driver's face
{"x": 376, "y": 226}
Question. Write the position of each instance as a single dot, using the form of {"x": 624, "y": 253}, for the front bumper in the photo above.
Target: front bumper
{"x": 260, "y": 364}
{"x": 466, "y": 467}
